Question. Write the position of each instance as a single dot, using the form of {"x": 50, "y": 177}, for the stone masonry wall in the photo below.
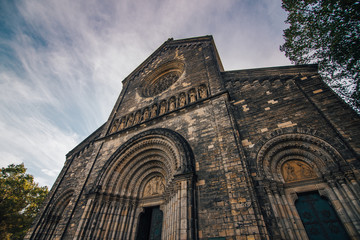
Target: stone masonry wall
{"x": 225, "y": 128}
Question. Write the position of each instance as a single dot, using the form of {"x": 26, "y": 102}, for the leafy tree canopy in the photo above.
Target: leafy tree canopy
{"x": 326, "y": 32}
{"x": 20, "y": 200}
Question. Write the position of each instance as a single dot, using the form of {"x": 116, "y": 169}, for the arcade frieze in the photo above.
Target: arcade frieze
{"x": 157, "y": 109}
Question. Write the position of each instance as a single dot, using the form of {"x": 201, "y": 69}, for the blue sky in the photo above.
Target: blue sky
{"x": 62, "y": 62}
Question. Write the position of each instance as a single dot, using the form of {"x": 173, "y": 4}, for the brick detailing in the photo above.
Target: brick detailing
{"x": 286, "y": 124}
{"x": 239, "y": 102}
{"x": 317, "y": 91}
{"x": 272, "y": 101}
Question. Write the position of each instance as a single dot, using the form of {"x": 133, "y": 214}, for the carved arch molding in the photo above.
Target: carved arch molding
{"x": 291, "y": 164}
{"x": 49, "y": 225}
{"x": 154, "y": 168}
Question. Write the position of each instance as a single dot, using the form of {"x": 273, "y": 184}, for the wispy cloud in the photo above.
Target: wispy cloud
{"x": 35, "y": 141}
{"x": 64, "y": 61}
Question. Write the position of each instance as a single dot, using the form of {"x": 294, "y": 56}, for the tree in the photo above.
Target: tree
{"x": 20, "y": 200}
{"x": 326, "y": 32}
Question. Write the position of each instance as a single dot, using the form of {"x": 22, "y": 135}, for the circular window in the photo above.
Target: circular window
{"x": 161, "y": 78}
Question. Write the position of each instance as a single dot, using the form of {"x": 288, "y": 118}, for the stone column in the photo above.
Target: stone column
{"x": 290, "y": 216}
{"x": 125, "y": 220}
{"x": 84, "y": 218}
{"x": 283, "y": 213}
{"x": 352, "y": 206}
{"x": 89, "y": 227}
{"x": 116, "y": 228}
{"x": 110, "y": 219}
{"x": 131, "y": 216}
{"x": 269, "y": 188}
{"x": 183, "y": 210}
{"x": 353, "y": 183}
{"x": 341, "y": 207}
{"x": 97, "y": 219}
{"x": 102, "y": 218}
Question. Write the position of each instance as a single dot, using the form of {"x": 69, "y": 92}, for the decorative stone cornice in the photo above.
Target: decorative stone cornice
{"x": 160, "y": 108}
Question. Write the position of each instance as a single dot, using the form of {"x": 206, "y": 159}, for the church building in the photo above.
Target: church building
{"x": 191, "y": 151}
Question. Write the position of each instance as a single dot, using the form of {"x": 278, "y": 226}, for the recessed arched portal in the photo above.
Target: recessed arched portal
{"x": 152, "y": 173}
{"x": 294, "y": 167}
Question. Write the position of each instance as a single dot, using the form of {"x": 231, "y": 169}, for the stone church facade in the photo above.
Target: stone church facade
{"x": 191, "y": 151}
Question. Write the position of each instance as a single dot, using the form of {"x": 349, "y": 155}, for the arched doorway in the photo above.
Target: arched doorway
{"x": 149, "y": 176}
{"x": 150, "y": 224}
{"x": 291, "y": 167}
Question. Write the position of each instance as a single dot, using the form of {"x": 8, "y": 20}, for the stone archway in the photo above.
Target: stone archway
{"x": 291, "y": 164}
{"x": 48, "y": 226}
{"x": 154, "y": 168}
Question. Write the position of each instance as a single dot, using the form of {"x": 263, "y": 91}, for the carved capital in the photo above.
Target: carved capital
{"x": 350, "y": 175}
{"x": 339, "y": 177}
{"x": 274, "y": 187}
{"x": 293, "y": 197}
{"x": 330, "y": 180}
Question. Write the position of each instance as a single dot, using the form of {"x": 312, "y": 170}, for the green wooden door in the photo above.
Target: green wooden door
{"x": 150, "y": 224}
{"x": 319, "y": 218}
{"x": 156, "y": 224}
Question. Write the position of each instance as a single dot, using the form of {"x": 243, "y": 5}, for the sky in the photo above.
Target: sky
{"x": 62, "y": 62}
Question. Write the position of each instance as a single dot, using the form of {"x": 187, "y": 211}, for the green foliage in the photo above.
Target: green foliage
{"x": 326, "y": 32}
{"x": 20, "y": 199}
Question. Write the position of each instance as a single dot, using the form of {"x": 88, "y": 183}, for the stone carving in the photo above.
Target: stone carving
{"x": 202, "y": 91}
{"x": 165, "y": 106}
{"x": 115, "y": 126}
{"x": 289, "y": 172}
{"x": 154, "y": 111}
{"x": 130, "y": 120}
{"x": 162, "y": 107}
{"x": 154, "y": 187}
{"x": 295, "y": 146}
{"x": 172, "y": 105}
{"x": 122, "y": 124}
{"x": 182, "y": 100}
{"x": 192, "y": 95}
{"x": 137, "y": 117}
{"x": 295, "y": 170}
{"x": 145, "y": 114}
{"x": 127, "y": 170}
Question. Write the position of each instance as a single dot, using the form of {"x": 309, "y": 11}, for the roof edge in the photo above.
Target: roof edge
{"x": 172, "y": 42}
{"x": 86, "y": 141}
{"x": 280, "y": 70}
